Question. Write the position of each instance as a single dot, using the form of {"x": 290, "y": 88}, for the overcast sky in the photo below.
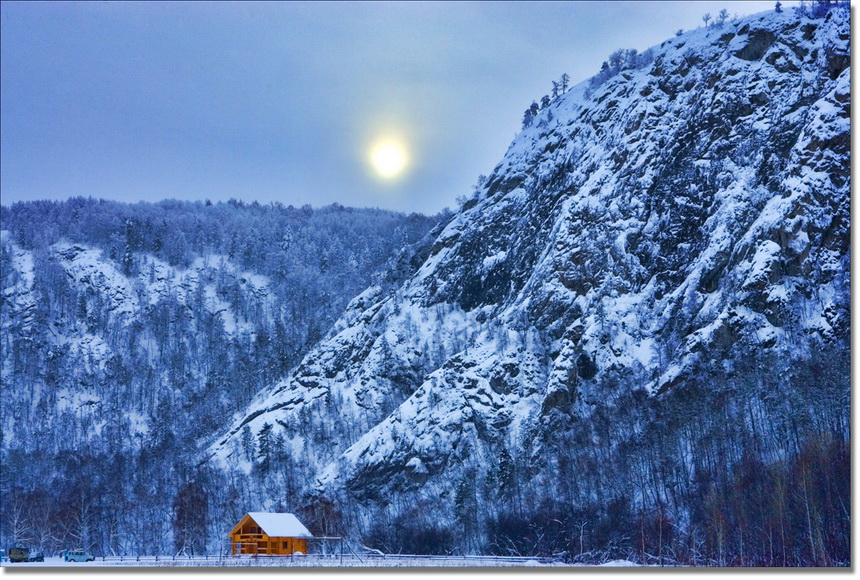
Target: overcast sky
{"x": 282, "y": 101}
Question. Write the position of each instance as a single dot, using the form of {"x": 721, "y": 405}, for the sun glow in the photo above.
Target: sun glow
{"x": 388, "y": 157}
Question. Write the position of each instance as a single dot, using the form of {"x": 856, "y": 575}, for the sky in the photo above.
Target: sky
{"x": 397, "y": 105}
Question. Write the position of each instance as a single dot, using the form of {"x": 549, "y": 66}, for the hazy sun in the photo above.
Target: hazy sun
{"x": 389, "y": 158}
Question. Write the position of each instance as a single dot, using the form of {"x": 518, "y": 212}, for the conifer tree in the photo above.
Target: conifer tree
{"x": 264, "y": 447}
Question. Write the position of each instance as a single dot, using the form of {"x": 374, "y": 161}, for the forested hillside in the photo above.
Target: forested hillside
{"x": 132, "y": 332}
{"x": 632, "y": 341}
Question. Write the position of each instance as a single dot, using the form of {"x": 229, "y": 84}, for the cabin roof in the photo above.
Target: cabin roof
{"x": 277, "y": 525}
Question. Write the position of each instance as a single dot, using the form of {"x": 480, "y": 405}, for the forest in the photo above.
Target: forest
{"x": 122, "y": 473}
{"x": 131, "y": 333}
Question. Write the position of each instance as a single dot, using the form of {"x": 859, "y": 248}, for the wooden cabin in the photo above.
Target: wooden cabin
{"x": 271, "y": 534}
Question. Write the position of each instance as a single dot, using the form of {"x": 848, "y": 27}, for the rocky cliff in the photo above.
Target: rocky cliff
{"x": 652, "y": 285}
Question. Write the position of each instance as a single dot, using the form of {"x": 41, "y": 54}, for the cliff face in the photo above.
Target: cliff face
{"x": 652, "y": 282}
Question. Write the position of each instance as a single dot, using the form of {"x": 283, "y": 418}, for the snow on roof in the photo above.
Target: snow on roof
{"x": 280, "y": 525}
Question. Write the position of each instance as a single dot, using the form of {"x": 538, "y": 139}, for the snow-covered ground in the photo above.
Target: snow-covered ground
{"x": 387, "y": 561}
{"x": 429, "y": 567}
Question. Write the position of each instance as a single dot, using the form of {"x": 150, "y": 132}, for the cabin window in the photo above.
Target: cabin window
{"x": 285, "y": 545}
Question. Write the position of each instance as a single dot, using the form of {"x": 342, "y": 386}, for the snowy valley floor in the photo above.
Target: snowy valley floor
{"x": 388, "y": 561}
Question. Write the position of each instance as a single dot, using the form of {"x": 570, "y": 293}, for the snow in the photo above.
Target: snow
{"x": 606, "y": 214}
{"x": 280, "y": 525}
{"x": 411, "y": 383}
{"x": 22, "y": 261}
{"x": 618, "y": 564}
{"x": 302, "y": 561}
{"x": 491, "y": 261}
{"x": 766, "y": 253}
{"x": 416, "y": 466}
{"x": 88, "y": 267}
{"x": 20, "y": 294}
{"x": 161, "y": 281}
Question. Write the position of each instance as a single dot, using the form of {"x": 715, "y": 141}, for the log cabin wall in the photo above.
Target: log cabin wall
{"x": 249, "y": 538}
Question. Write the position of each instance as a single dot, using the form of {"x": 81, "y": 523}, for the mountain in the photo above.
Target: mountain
{"x": 631, "y": 341}
{"x": 633, "y": 338}
{"x": 130, "y": 332}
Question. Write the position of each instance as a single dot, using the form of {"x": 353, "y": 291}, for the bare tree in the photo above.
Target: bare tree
{"x": 17, "y": 528}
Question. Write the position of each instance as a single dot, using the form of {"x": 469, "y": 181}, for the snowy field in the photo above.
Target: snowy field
{"x": 388, "y": 561}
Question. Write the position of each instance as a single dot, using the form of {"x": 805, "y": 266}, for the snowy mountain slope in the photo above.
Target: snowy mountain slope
{"x": 102, "y": 322}
{"x": 87, "y": 345}
{"x": 18, "y": 284}
{"x": 128, "y": 333}
{"x": 640, "y": 244}
{"x": 139, "y": 315}
{"x": 87, "y": 269}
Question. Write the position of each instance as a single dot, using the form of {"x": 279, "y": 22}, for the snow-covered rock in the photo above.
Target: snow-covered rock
{"x": 639, "y": 239}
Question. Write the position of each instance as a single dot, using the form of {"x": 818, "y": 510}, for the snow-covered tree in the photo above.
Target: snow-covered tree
{"x": 264, "y": 447}
{"x": 564, "y": 82}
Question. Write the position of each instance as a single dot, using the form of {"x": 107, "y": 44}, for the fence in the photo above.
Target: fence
{"x": 326, "y": 560}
